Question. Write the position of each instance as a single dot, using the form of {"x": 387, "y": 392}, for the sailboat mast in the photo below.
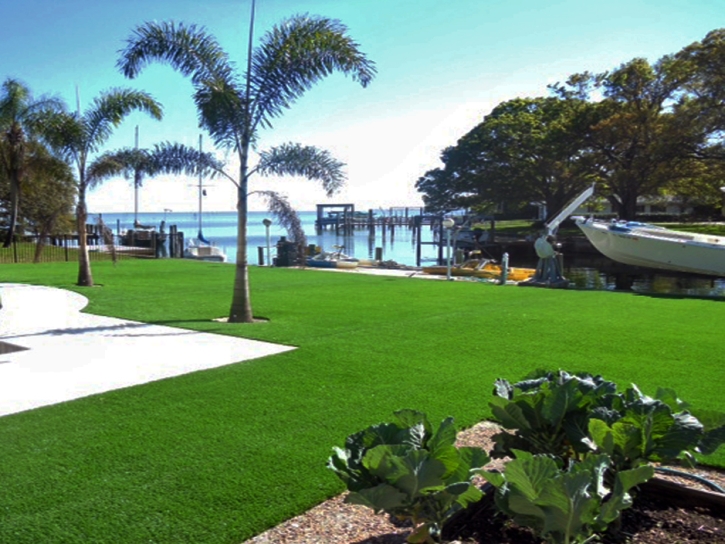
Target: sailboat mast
{"x": 201, "y": 236}
{"x": 135, "y": 188}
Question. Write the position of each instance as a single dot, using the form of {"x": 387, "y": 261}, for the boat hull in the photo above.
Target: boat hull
{"x": 653, "y": 247}
{"x": 205, "y": 253}
{"x": 324, "y": 263}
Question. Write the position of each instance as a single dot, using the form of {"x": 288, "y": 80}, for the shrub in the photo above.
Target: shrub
{"x": 410, "y": 471}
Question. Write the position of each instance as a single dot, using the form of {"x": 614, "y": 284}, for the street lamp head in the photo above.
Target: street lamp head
{"x": 266, "y": 222}
{"x": 448, "y": 223}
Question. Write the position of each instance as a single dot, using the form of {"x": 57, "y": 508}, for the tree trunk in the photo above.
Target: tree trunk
{"x": 15, "y": 166}
{"x": 85, "y": 278}
{"x": 241, "y": 309}
{"x": 14, "y": 206}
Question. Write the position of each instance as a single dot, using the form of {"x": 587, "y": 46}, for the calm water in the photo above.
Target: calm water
{"x": 583, "y": 272}
{"x": 220, "y": 228}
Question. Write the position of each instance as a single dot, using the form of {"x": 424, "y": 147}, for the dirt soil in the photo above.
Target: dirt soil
{"x": 648, "y": 521}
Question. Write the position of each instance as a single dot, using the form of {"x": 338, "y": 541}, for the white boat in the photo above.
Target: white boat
{"x": 200, "y": 248}
{"x": 642, "y": 244}
{"x": 196, "y": 249}
{"x": 336, "y": 259}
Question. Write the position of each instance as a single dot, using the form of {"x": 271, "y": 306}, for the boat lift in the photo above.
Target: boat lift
{"x": 549, "y": 268}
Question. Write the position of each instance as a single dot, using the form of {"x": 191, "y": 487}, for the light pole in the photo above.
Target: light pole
{"x": 448, "y": 224}
{"x": 267, "y": 223}
{"x": 722, "y": 211}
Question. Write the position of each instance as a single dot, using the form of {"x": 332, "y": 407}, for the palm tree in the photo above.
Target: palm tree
{"x": 21, "y": 118}
{"x": 291, "y": 58}
{"x": 77, "y": 136}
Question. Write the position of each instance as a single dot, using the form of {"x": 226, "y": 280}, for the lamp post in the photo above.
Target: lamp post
{"x": 448, "y": 224}
{"x": 267, "y": 223}
{"x": 722, "y": 211}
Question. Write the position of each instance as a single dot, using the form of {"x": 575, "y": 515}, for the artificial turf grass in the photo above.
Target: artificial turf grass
{"x": 219, "y": 455}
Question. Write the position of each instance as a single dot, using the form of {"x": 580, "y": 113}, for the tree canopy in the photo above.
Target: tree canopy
{"x": 641, "y": 129}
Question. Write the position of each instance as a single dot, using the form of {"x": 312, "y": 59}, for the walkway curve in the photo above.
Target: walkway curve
{"x": 68, "y": 354}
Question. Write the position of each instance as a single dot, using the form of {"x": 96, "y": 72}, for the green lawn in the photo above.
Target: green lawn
{"x": 220, "y": 455}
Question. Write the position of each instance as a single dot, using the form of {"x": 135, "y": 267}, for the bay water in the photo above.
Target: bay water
{"x": 220, "y": 228}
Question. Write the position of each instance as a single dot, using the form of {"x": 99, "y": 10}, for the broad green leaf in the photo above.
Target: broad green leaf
{"x": 470, "y": 460}
{"x": 561, "y": 401}
{"x": 420, "y": 535}
{"x": 669, "y": 397}
{"x": 465, "y": 493}
{"x": 712, "y": 440}
{"x": 383, "y": 497}
{"x": 508, "y": 414}
{"x": 444, "y": 437}
{"x": 531, "y": 474}
{"x": 502, "y": 388}
{"x": 410, "y": 418}
{"x": 421, "y": 473}
{"x": 382, "y": 462}
{"x": 496, "y": 479}
{"x": 683, "y": 434}
{"x": 416, "y": 437}
{"x": 602, "y": 435}
{"x": 620, "y": 497}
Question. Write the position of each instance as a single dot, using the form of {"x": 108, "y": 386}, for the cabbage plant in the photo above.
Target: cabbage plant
{"x": 411, "y": 471}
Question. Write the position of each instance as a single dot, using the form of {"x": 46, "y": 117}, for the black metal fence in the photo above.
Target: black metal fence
{"x": 64, "y": 247}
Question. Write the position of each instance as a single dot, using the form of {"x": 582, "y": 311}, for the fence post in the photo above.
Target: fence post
{"x": 15, "y": 250}
{"x": 65, "y": 246}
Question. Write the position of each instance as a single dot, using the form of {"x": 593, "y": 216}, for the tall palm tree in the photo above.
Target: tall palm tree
{"x": 21, "y": 118}
{"x": 290, "y": 59}
{"x": 77, "y": 136}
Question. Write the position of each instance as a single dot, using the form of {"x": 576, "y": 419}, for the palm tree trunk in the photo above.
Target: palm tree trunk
{"x": 241, "y": 310}
{"x": 85, "y": 278}
{"x": 14, "y": 206}
{"x": 16, "y": 160}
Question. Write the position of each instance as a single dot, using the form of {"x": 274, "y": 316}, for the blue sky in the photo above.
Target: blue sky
{"x": 442, "y": 66}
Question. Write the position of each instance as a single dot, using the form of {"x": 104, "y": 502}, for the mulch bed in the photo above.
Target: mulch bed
{"x": 651, "y": 520}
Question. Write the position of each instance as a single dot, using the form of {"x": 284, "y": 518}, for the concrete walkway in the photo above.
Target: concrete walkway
{"x": 68, "y": 354}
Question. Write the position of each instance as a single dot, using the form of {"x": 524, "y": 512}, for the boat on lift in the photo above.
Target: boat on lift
{"x": 651, "y": 246}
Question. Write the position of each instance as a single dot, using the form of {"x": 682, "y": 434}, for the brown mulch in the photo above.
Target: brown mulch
{"x": 649, "y": 521}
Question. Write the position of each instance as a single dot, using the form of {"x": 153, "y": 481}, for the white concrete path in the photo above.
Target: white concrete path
{"x": 72, "y": 354}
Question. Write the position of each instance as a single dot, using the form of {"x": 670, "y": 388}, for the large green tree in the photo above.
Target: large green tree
{"x": 526, "y": 149}
{"x": 79, "y": 136}
{"x": 705, "y": 103}
{"x": 22, "y": 120}
{"x": 233, "y": 107}
{"x": 638, "y": 131}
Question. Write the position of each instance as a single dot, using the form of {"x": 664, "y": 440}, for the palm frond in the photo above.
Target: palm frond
{"x": 194, "y": 53}
{"x": 108, "y": 111}
{"x": 292, "y": 159}
{"x": 295, "y": 55}
{"x": 286, "y": 215}
{"x": 127, "y": 162}
{"x": 178, "y": 159}
{"x": 189, "y": 49}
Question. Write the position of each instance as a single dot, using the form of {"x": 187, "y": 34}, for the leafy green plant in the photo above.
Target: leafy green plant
{"x": 411, "y": 471}
{"x": 563, "y": 506}
{"x": 571, "y": 415}
{"x": 549, "y": 412}
{"x": 659, "y": 429}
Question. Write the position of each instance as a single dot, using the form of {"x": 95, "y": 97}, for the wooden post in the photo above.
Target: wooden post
{"x": 378, "y": 253}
